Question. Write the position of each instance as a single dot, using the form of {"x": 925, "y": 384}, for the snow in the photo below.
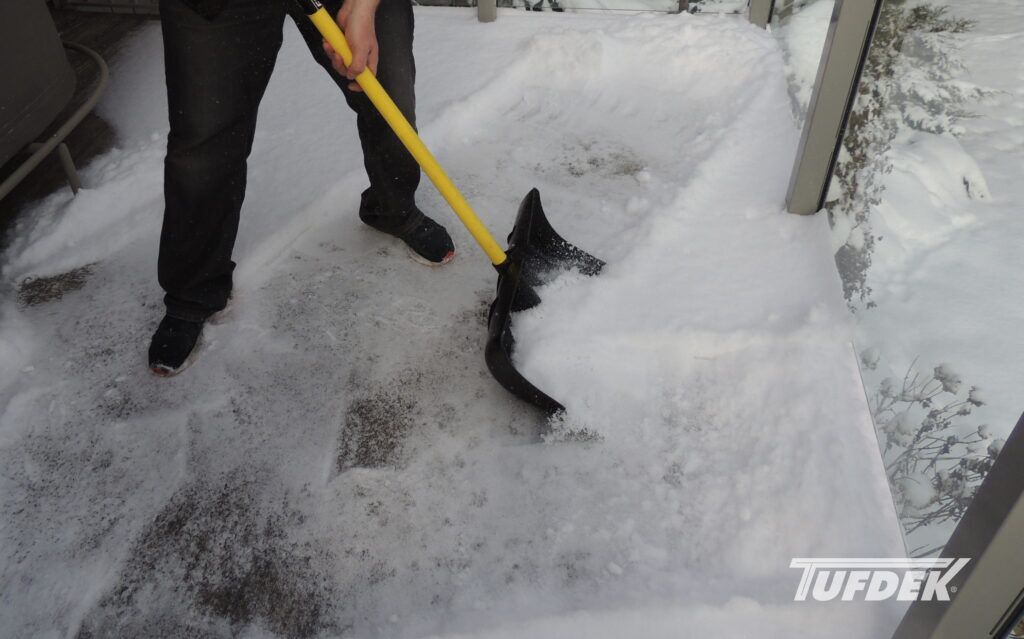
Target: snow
{"x": 946, "y": 274}
{"x": 924, "y": 204}
{"x": 670, "y": 6}
{"x": 339, "y": 462}
{"x": 744, "y": 617}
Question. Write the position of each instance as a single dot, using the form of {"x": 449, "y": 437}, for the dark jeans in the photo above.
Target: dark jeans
{"x": 217, "y": 71}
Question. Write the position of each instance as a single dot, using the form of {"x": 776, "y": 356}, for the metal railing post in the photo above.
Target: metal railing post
{"x": 989, "y": 593}
{"x": 487, "y": 10}
{"x": 761, "y": 12}
{"x": 835, "y": 89}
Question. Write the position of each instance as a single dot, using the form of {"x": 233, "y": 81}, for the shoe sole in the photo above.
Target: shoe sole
{"x": 416, "y": 257}
{"x": 162, "y": 370}
{"x": 222, "y": 316}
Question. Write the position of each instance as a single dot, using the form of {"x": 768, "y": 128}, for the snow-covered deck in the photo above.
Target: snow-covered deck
{"x": 340, "y": 462}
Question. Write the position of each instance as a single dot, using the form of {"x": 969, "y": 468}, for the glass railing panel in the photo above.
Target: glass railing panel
{"x": 925, "y": 209}
{"x": 801, "y": 27}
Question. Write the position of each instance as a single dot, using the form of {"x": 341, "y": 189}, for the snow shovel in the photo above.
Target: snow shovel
{"x": 535, "y": 254}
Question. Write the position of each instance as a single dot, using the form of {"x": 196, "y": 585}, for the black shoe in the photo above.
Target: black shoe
{"x": 429, "y": 243}
{"x": 173, "y": 342}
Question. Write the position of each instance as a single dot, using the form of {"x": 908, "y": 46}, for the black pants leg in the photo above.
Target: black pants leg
{"x": 217, "y": 71}
{"x": 389, "y": 204}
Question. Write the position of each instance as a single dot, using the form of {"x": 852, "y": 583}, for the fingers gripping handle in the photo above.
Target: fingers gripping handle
{"x": 312, "y": 9}
{"x": 328, "y": 28}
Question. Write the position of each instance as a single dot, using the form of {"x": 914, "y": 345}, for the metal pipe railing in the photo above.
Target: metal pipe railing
{"x": 40, "y": 150}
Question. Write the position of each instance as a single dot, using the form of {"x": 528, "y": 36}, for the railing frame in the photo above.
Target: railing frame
{"x": 835, "y": 89}
{"x": 760, "y": 12}
{"x": 487, "y": 10}
{"x": 989, "y": 592}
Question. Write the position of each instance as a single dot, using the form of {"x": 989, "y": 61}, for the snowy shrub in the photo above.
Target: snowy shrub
{"x": 934, "y": 459}
{"x": 908, "y": 84}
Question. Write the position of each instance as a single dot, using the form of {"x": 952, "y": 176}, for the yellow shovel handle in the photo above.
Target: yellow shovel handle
{"x": 328, "y": 28}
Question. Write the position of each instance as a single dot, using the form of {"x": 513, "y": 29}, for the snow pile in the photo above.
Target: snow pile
{"x": 339, "y": 462}
{"x": 929, "y": 197}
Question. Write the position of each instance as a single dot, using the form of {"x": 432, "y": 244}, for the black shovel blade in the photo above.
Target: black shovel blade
{"x": 536, "y": 255}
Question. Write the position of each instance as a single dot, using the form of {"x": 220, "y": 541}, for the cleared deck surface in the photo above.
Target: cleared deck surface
{"x": 339, "y": 463}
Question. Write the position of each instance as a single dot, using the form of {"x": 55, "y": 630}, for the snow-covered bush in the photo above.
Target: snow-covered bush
{"x": 934, "y": 459}
{"x": 908, "y": 84}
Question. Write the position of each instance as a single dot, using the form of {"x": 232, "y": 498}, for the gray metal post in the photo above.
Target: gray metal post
{"x": 846, "y": 47}
{"x": 989, "y": 593}
{"x": 487, "y": 10}
{"x": 761, "y": 12}
{"x": 66, "y": 162}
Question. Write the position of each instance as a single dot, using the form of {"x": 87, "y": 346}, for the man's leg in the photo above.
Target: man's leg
{"x": 389, "y": 204}
{"x": 217, "y": 71}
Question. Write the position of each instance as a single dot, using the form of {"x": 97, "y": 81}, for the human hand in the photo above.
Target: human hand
{"x": 356, "y": 19}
